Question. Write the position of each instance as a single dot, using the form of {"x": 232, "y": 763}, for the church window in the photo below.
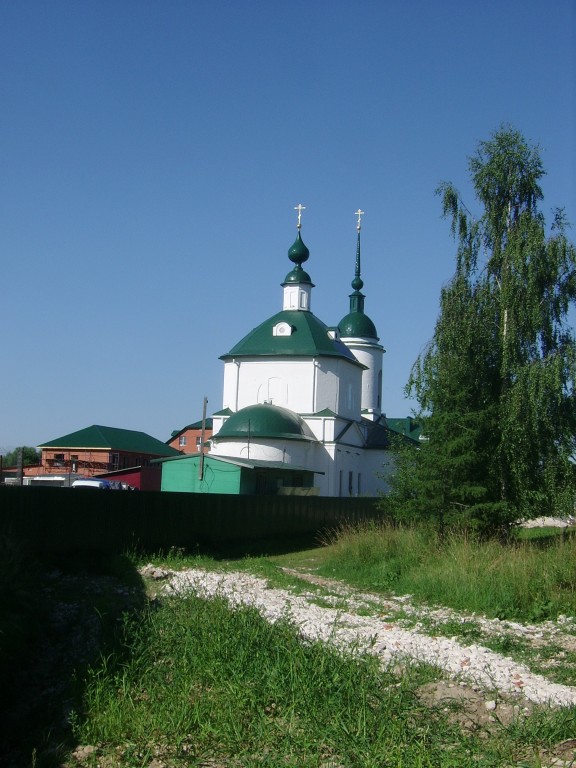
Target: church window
{"x": 282, "y": 329}
{"x": 350, "y": 483}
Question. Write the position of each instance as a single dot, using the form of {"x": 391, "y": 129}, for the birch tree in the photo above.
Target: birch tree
{"x": 496, "y": 384}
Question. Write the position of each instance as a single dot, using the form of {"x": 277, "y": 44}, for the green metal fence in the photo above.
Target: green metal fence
{"x": 67, "y": 520}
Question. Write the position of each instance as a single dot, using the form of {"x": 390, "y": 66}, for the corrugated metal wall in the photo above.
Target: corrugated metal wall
{"x": 63, "y": 519}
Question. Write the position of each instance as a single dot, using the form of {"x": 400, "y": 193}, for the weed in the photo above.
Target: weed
{"x": 207, "y": 682}
{"x": 522, "y": 580}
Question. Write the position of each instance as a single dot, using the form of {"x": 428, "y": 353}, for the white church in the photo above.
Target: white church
{"x": 302, "y": 401}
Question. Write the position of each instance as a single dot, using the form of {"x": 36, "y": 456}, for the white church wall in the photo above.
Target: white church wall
{"x": 217, "y": 423}
{"x": 286, "y": 383}
{"x": 371, "y": 356}
{"x": 302, "y": 385}
{"x": 230, "y": 389}
{"x": 325, "y": 428}
{"x": 338, "y": 386}
{"x": 299, "y": 453}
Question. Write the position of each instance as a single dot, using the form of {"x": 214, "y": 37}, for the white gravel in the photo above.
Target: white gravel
{"x": 350, "y": 632}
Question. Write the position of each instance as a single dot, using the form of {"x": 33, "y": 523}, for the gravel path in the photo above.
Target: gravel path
{"x": 351, "y": 632}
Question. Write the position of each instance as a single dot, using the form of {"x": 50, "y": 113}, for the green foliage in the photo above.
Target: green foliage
{"x": 530, "y": 580}
{"x": 30, "y": 457}
{"x": 205, "y": 683}
{"x": 496, "y": 384}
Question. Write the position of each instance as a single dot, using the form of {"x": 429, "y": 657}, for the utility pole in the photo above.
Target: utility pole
{"x": 20, "y": 467}
{"x": 201, "y": 462}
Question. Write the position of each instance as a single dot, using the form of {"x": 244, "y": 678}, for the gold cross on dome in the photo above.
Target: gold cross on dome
{"x": 359, "y": 213}
{"x": 299, "y": 208}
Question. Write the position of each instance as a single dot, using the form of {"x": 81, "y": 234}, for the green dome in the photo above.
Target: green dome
{"x": 266, "y": 420}
{"x": 297, "y": 275}
{"x": 298, "y": 253}
{"x": 357, "y": 324}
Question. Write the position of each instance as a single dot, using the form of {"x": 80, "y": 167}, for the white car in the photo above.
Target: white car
{"x": 94, "y": 483}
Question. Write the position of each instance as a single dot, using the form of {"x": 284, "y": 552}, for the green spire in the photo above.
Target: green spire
{"x": 357, "y": 298}
{"x": 356, "y": 323}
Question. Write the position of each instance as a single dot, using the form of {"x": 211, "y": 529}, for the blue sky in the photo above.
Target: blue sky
{"x": 152, "y": 153}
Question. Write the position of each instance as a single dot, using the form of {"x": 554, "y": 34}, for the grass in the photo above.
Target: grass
{"x": 68, "y": 615}
{"x": 182, "y": 681}
{"x": 206, "y": 683}
{"x": 526, "y": 580}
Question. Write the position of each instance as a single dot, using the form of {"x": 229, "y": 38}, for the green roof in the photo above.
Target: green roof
{"x": 357, "y": 324}
{"x": 309, "y": 338}
{"x": 298, "y": 275}
{"x": 265, "y": 420}
{"x": 195, "y": 425}
{"x": 298, "y": 252}
{"x": 224, "y": 412}
{"x": 113, "y": 439}
{"x": 407, "y": 426}
{"x": 324, "y": 412}
{"x": 242, "y": 462}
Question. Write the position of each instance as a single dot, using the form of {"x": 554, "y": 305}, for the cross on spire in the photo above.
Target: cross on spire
{"x": 299, "y": 208}
{"x": 359, "y": 213}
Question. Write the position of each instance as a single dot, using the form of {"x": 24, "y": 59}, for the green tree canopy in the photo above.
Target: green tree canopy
{"x": 30, "y": 457}
{"x": 496, "y": 383}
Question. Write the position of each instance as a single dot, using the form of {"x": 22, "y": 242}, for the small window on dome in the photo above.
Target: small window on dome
{"x": 333, "y": 334}
{"x": 282, "y": 329}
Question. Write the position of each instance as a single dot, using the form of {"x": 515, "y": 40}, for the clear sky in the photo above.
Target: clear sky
{"x": 152, "y": 153}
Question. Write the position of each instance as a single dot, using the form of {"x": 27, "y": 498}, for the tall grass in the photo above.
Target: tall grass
{"x": 206, "y": 683}
{"x": 523, "y": 580}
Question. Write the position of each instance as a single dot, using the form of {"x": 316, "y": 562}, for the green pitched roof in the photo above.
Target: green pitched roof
{"x": 195, "y": 425}
{"x": 309, "y": 338}
{"x": 113, "y": 439}
{"x": 408, "y": 427}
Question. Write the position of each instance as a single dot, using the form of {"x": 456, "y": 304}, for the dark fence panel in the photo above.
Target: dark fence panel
{"x": 66, "y": 520}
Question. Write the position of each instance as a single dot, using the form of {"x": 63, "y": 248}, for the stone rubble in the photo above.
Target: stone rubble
{"x": 350, "y": 632}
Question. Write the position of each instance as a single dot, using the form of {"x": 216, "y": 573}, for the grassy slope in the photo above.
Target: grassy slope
{"x": 187, "y": 681}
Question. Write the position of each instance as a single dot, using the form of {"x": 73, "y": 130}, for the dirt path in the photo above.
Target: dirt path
{"x": 398, "y": 633}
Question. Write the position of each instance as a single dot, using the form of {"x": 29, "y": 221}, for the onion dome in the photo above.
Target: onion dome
{"x": 298, "y": 253}
{"x": 265, "y": 420}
